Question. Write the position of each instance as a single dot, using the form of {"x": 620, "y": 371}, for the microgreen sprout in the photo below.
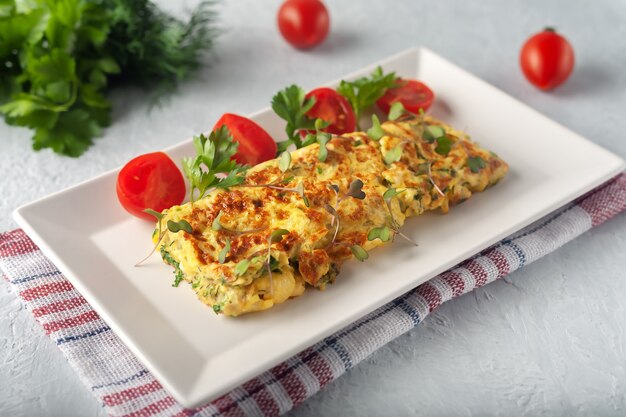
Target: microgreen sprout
{"x": 176, "y": 227}
{"x": 393, "y": 155}
{"x": 475, "y": 163}
{"x": 376, "y": 131}
{"x": 430, "y": 177}
{"x": 396, "y": 111}
{"x": 355, "y": 190}
{"x": 384, "y": 233}
{"x": 298, "y": 189}
{"x": 221, "y": 257}
{"x": 172, "y": 226}
{"x": 284, "y": 163}
{"x": 359, "y": 253}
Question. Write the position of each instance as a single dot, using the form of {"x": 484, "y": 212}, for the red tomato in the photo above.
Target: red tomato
{"x": 332, "y": 107}
{"x": 303, "y": 23}
{"x": 255, "y": 144}
{"x": 150, "y": 181}
{"x": 547, "y": 59}
{"x": 414, "y": 95}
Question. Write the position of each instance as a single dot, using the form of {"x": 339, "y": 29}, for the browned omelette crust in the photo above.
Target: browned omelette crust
{"x": 307, "y": 255}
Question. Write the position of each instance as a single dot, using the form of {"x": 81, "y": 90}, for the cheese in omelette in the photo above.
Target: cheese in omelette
{"x": 256, "y": 272}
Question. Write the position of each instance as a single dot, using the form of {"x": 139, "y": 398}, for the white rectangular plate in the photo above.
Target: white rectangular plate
{"x": 197, "y": 355}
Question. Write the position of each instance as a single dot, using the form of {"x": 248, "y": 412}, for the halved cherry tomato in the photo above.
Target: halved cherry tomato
{"x": 303, "y": 23}
{"x": 414, "y": 95}
{"x": 150, "y": 181}
{"x": 255, "y": 144}
{"x": 332, "y": 107}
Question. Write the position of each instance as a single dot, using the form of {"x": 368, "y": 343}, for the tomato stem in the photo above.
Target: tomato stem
{"x": 549, "y": 29}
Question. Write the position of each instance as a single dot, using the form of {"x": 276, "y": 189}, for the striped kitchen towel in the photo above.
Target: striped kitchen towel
{"x": 126, "y": 388}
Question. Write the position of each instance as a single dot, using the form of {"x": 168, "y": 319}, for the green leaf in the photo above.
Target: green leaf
{"x": 108, "y": 65}
{"x": 221, "y": 257}
{"x": 475, "y": 163}
{"x": 396, "y": 110}
{"x": 22, "y": 107}
{"x": 393, "y": 155}
{"x": 291, "y": 105}
{"x": 216, "y": 225}
{"x": 323, "y": 139}
{"x": 433, "y": 132}
{"x": 376, "y": 131}
{"x": 355, "y": 190}
{"x": 213, "y": 157}
{"x": 359, "y": 253}
{"x": 444, "y": 144}
{"x": 383, "y": 233}
{"x": 58, "y": 91}
{"x": 277, "y": 235}
{"x": 282, "y": 146}
{"x": 154, "y": 213}
{"x": 321, "y": 124}
{"x": 391, "y": 193}
{"x": 284, "y": 163}
{"x": 176, "y": 227}
{"x": 58, "y": 65}
{"x": 241, "y": 267}
{"x": 363, "y": 92}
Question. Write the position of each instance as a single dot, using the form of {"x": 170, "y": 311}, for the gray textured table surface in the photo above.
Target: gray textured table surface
{"x": 549, "y": 341}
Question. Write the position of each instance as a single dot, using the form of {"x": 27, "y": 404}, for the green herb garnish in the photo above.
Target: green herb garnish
{"x": 396, "y": 111}
{"x": 475, "y": 163}
{"x": 291, "y": 105}
{"x": 383, "y": 233}
{"x": 359, "y": 253}
{"x": 221, "y": 257}
{"x": 363, "y": 92}
{"x": 376, "y": 131}
{"x": 393, "y": 155}
{"x": 213, "y": 157}
{"x": 242, "y": 267}
{"x": 444, "y": 144}
{"x": 432, "y": 132}
{"x": 322, "y": 139}
{"x": 176, "y": 227}
{"x": 284, "y": 162}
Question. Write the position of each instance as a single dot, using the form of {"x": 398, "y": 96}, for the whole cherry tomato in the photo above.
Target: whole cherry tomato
{"x": 255, "y": 144}
{"x": 332, "y": 107}
{"x": 547, "y": 59}
{"x": 414, "y": 95}
{"x": 303, "y": 23}
{"x": 150, "y": 181}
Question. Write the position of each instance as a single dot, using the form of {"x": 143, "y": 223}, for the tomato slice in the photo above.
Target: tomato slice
{"x": 255, "y": 144}
{"x": 332, "y": 107}
{"x": 414, "y": 95}
{"x": 150, "y": 181}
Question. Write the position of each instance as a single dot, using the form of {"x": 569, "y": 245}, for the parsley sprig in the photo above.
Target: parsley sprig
{"x": 363, "y": 92}
{"x": 213, "y": 157}
{"x": 291, "y": 105}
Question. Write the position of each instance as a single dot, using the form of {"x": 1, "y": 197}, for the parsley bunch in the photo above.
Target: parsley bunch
{"x": 59, "y": 58}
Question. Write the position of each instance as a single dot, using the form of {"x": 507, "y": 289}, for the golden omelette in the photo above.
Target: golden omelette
{"x": 310, "y": 205}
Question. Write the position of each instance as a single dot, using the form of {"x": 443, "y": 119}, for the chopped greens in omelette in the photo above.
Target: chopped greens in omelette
{"x": 292, "y": 221}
